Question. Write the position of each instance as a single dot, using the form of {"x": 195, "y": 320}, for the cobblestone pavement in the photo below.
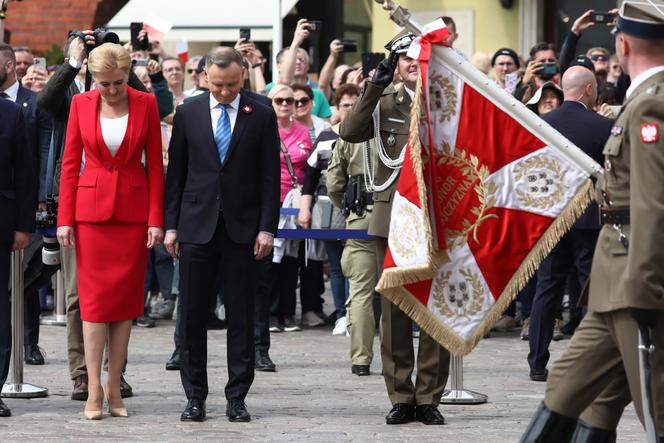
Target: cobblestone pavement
{"x": 312, "y": 397}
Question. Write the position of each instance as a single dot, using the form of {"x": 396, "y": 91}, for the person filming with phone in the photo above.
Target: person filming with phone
{"x": 543, "y": 66}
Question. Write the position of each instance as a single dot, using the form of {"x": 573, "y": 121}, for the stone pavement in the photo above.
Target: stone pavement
{"x": 312, "y": 397}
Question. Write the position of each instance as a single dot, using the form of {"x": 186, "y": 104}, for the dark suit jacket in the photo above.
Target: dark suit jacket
{"x": 246, "y": 187}
{"x": 589, "y": 131}
{"x": 38, "y": 126}
{"x": 18, "y": 188}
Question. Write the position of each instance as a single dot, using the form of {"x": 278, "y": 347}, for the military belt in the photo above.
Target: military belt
{"x": 614, "y": 216}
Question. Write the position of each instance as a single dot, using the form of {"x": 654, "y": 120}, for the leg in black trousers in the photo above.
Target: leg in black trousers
{"x": 551, "y": 278}
{"x": 264, "y": 284}
{"x": 199, "y": 267}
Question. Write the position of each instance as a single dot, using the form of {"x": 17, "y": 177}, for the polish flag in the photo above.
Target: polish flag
{"x": 156, "y": 27}
{"x": 182, "y": 50}
{"x": 484, "y": 194}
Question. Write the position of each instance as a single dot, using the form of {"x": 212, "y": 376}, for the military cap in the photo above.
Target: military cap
{"x": 643, "y": 19}
{"x": 585, "y": 61}
{"x": 401, "y": 42}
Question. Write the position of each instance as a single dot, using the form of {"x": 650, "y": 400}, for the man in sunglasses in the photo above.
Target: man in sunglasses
{"x": 600, "y": 58}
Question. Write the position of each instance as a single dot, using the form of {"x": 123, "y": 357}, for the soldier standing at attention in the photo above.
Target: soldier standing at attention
{"x": 626, "y": 289}
{"x": 383, "y": 113}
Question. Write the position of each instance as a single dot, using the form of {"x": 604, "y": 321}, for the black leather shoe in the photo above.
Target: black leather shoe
{"x": 80, "y": 391}
{"x": 195, "y": 411}
{"x": 125, "y": 389}
{"x": 4, "y": 410}
{"x": 236, "y": 410}
{"x": 360, "y": 370}
{"x": 401, "y": 413}
{"x": 584, "y": 433}
{"x": 263, "y": 362}
{"x": 33, "y": 355}
{"x": 539, "y": 374}
{"x": 549, "y": 427}
{"x": 429, "y": 415}
{"x": 173, "y": 363}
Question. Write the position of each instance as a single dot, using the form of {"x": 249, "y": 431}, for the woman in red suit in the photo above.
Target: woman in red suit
{"x": 112, "y": 211}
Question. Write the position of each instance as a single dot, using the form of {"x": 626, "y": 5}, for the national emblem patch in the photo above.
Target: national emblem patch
{"x": 649, "y": 133}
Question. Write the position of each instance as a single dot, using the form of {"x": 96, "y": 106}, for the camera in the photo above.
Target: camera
{"x": 601, "y": 17}
{"x": 101, "y": 35}
{"x": 349, "y": 45}
{"x": 245, "y": 34}
{"x": 51, "y": 248}
{"x": 314, "y": 25}
{"x": 140, "y": 62}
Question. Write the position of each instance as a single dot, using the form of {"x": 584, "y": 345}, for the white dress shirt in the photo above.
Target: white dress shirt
{"x": 12, "y": 92}
{"x": 231, "y": 109}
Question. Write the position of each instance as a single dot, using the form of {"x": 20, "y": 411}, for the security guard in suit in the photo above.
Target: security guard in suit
{"x": 626, "y": 289}
{"x": 384, "y": 110}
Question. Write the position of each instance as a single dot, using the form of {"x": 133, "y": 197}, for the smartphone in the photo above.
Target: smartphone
{"x": 138, "y": 45}
{"x": 349, "y": 45}
{"x": 601, "y": 17}
{"x": 140, "y": 62}
{"x": 370, "y": 60}
{"x": 315, "y": 25}
{"x": 548, "y": 70}
{"x": 245, "y": 34}
{"x": 40, "y": 62}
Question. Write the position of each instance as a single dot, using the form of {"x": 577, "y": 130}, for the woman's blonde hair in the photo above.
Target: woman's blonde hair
{"x": 107, "y": 58}
{"x": 278, "y": 88}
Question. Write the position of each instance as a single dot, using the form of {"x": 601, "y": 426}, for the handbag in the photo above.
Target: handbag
{"x": 296, "y": 192}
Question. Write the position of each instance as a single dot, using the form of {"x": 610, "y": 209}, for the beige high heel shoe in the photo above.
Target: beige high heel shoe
{"x": 94, "y": 415}
{"x": 115, "y": 412}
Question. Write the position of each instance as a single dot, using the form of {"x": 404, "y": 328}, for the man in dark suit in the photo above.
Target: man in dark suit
{"x": 221, "y": 214}
{"x": 18, "y": 197}
{"x": 38, "y": 138}
{"x": 576, "y": 120}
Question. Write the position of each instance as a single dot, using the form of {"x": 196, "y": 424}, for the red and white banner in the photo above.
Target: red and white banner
{"x": 156, "y": 27}
{"x": 182, "y": 50}
{"x": 480, "y": 201}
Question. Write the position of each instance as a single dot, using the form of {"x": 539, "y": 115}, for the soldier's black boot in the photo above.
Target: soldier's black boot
{"x": 584, "y": 433}
{"x": 549, "y": 427}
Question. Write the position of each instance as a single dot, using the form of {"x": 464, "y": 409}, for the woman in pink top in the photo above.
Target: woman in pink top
{"x": 295, "y": 138}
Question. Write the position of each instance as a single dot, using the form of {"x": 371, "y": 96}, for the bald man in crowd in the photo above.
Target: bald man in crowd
{"x": 576, "y": 120}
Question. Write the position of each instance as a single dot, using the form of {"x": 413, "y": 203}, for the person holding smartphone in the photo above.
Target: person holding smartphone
{"x": 543, "y": 66}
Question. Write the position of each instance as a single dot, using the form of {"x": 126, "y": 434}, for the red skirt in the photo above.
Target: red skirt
{"x": 111, "y": 259}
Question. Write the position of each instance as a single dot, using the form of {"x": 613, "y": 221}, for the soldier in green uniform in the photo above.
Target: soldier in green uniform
{"x": 599, "y": 370}
{"x": 347, "y": 190}
{"x": 383, "y": 113}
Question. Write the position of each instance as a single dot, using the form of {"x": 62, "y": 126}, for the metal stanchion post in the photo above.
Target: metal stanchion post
{"x": 15, "y": 386}
{"x": 59, "y": 317}
{"x": 458, "y": 395}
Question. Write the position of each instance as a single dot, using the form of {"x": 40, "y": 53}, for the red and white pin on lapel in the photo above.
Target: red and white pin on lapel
{"x": 247, "y": 109}
{"x": 649, "y": 133}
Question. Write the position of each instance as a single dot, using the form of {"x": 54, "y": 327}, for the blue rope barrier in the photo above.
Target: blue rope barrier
{"x": 320, "y": 234}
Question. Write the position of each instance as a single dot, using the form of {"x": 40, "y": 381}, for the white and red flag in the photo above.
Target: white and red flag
{"x": 485, "y": 191}
{"x": 182, "y": 50}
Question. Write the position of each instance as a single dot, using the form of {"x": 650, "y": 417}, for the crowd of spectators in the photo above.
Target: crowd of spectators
{"x": 307, "y": 114}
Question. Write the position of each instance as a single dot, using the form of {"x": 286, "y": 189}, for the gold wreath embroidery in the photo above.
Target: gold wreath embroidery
{"x": 410, "y": 232}
{"x": 442, "y": 95}
{"x": 471, "y": 172}
{"x": 529, "y": 167}
{"x": 461, "y": 298}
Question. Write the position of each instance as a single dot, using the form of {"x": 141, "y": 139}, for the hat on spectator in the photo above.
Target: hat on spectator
{"x": 642, "y": 19}
{"x": 583, "y": 60}
{"x": 508, "y": 52}
{"x": 201, "y": 65}
{"x": 532, "y": 103}
{"x": 401, "y": 42}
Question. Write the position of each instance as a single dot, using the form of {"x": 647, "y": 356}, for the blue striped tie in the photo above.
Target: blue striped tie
{"x": 222, "y": 135}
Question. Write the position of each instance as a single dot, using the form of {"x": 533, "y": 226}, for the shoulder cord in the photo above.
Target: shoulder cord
{"x": 289, "y": 164}
{"x": 394, "y": 164}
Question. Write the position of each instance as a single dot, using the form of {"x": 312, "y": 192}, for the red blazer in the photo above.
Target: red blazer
{"x": 112, "y": 187}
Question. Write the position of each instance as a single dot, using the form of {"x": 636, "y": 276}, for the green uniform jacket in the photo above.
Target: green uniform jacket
{"x": 394, "y": 123}
{"x": 634, "y": 179}
{"x": 347, "y": 161}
